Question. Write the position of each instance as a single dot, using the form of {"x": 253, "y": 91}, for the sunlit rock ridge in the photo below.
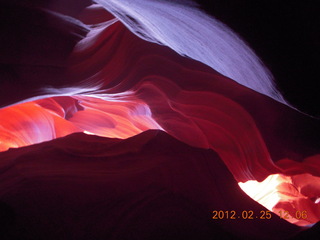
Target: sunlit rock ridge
{"x": 98, "y": 83}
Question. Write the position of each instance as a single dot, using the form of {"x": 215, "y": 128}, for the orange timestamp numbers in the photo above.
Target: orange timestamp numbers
{"x": 297, "y": 215}
{"x": 263, "y": 214}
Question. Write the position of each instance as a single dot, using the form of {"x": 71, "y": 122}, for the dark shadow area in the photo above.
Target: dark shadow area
{"x": 286, "y": 36}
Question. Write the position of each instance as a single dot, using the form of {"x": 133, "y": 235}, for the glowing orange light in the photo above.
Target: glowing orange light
{"x": 46, "y": 119}
{"x": 290, "y": 194}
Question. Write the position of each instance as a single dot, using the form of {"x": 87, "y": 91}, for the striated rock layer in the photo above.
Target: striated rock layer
{"x": 150, "y": 186}
{"x": 84, "y": 71}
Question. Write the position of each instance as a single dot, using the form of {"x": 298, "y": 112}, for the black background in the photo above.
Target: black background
{"x": 286, "y": 36}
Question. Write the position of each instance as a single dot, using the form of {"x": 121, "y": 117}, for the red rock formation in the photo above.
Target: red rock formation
{"x": 214, "y": 133}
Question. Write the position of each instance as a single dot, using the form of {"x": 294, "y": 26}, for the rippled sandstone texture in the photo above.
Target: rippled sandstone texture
{"x": 114, "y": 84}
